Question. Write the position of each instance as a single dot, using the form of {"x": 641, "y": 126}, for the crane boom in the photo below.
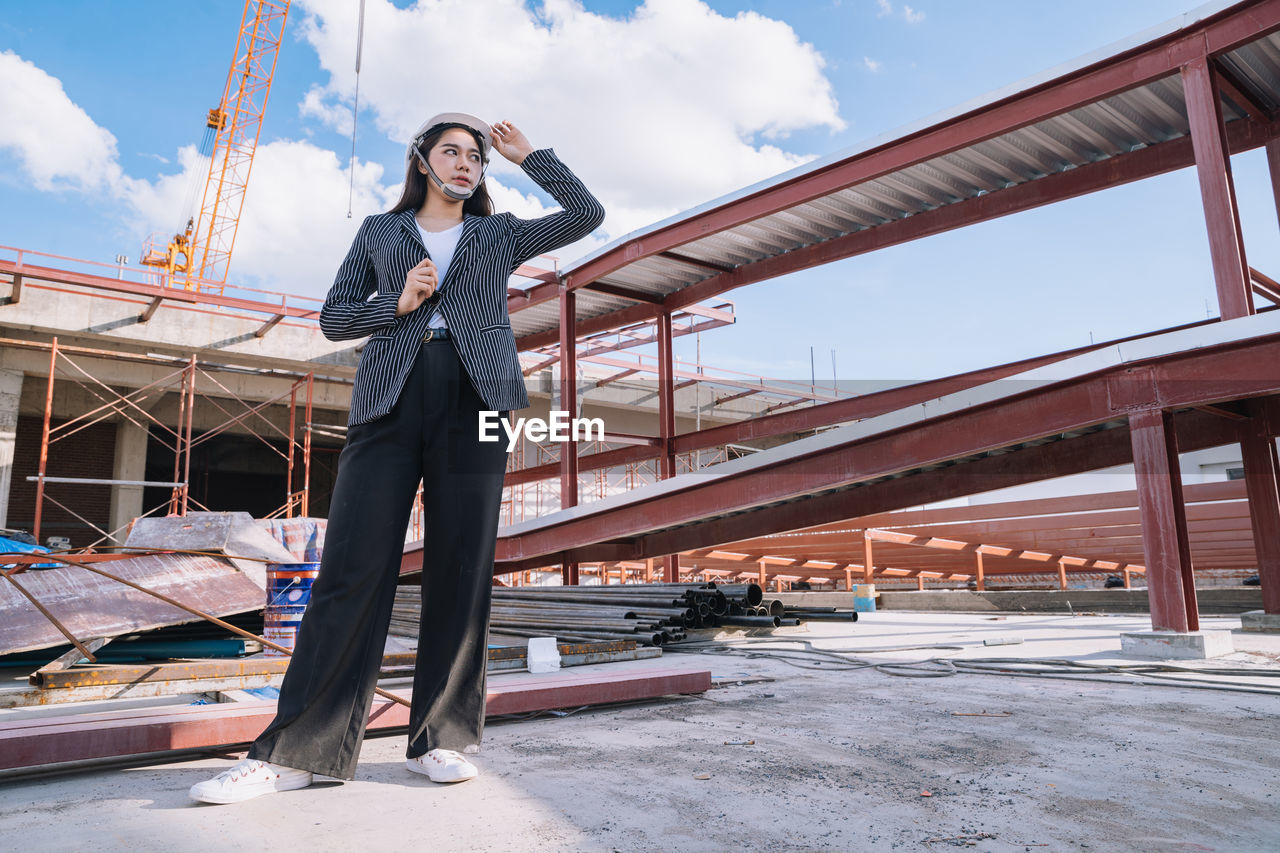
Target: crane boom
{"x": 237, "y": 121}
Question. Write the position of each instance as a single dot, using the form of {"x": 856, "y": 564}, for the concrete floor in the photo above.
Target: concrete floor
{"x": 840, "y": 762}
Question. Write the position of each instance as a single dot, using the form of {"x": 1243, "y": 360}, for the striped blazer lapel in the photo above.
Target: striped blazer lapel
{"x": 410, "y": 224}
{"x": 466, "y": 245}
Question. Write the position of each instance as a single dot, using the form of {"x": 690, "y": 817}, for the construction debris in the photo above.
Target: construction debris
{"x": 237, "y": 534}
{"x": 78, "y": 737}
{"x": 89, "y": 605}
{"x": 650, "y": 614}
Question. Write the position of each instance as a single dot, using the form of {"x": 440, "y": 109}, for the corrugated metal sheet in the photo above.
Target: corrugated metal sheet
{"x": 1143, "y": 116}
{"x": 93, "y": 606}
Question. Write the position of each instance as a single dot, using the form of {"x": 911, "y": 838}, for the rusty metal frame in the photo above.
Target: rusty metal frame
{"x": 180, "y": 440}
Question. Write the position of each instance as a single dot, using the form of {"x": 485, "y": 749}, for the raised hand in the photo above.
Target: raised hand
{"x": 510, "y": 142}
{"x": 419, "y": 284}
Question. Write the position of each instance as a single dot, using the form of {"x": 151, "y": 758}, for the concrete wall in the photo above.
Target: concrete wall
{"x": 1216, "y": 601}
{"x": 10, "y": 395}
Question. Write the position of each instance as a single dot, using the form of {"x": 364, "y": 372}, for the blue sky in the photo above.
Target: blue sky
{"x": 753, "y": 88}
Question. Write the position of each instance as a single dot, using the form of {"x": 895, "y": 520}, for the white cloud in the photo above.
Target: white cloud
{"x": 55, "y": 142}
{"x": 336, "y": 116}
{"x": 652, "y": 122}
{"x": 293, "y": 228}
{"x": 912, "y": 16}
{"x": 885, "y": 8}
{"x": 873, "y": 65}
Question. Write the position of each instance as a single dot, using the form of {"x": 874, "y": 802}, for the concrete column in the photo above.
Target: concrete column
{"x": 10, "y": 394}
{"x": 130, "y": 464}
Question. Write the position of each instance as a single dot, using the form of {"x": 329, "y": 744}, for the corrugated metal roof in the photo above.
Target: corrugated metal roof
{"x": 1143, "y": 116}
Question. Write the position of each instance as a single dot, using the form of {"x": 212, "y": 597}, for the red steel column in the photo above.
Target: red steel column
{"x": 1273, "y": 165}
{"x": 667, "y": 424}
{"x": 1262, "y": 480}
{"x": 569, "y": 404}
{"x": 44, "y": 440}
{"x": 1217, "y": 190}
{"x": 1170, "y": 584}
{"x": 306, "y": 451}
{"x": 666, "y": 398}
{"x": 868, "y": 558}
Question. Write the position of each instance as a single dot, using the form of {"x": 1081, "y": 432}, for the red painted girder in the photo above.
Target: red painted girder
{"x": 590, "y": 462}
{"x": 1116, "y": 171}
{"x": 813, "y": 417}
{"x": 1230, "y": 490}
{"x": 1217, "y": 188}
{"x": 1096, "y": 450}
{"x": 1262, "y": 477}
{"x": 568, "y": 397}
{"x": 1264, "y": 285}
{"x": 1096, "y": 526}
{"x": 109, "y": 734}
{"x": 1104, "y": 174}
{"x": 1170, "y": 583}
{"x": 666, "y": 398}
{"x": 1240, "y": 24}
{"x": 693, "y": 376}
{"x": 1233, "y": 371}
{"x": 1273, "y": 169}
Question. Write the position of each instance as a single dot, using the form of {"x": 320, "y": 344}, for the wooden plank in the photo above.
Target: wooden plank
{"x": 67, "y": 660}
{"x": 110, "y": 734}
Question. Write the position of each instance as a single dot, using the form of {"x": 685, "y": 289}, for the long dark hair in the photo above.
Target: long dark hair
{"x": 415, "y": 183}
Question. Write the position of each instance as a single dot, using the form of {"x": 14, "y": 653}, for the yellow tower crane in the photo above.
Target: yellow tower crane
{"x": 198, "y": 257}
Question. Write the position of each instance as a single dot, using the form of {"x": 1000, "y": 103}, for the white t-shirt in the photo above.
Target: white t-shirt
{"x": 440, "y": 246}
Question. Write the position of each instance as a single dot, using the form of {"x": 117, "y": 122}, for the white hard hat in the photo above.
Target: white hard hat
{"x": 447, "y": 120}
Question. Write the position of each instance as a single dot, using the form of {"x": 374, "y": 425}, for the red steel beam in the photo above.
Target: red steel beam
{"x": 1273, "y": 169}
{"x": 1161, "y": 57}
{"x": 138, "y": 731}
{"x": 1224, "y": 491}
{"x": 1242, "y": 135}
{"x": 590, "y": 462}
{"x": 1239, "y": 370}
{"x": 1264, "y": 285}
{"x": 1097, "y": 450}
{"x": 1115, "y": 171}
{"x": 667, "y": 425}
{"x": 1167, "y": 551}
{"x": 569, "y": 404}
{"x": 1262, "y": 478}
{"x": 624, "y": 292}
{"x": 1217, "y": 188}
{"x": 666, "y": 399}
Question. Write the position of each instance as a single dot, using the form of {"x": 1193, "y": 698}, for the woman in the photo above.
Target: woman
{"x": 426, "y": 282}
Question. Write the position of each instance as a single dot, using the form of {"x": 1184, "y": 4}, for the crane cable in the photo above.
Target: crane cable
{"x": 355, "y": 111}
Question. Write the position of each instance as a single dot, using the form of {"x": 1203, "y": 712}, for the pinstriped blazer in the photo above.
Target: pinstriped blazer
{"x": 472, "y": 297}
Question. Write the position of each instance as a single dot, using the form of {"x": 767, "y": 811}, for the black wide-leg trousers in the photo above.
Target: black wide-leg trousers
{"x": 431, "y": 435}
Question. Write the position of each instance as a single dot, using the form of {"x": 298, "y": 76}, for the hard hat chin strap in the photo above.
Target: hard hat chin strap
{"x": 449, "y": 190}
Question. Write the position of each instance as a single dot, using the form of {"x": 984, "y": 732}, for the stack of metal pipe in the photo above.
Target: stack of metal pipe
{"x": 811, "y": 613}
{"x": 650, "y": 614}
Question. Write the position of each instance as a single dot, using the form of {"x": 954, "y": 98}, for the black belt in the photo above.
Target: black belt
{"x": 433, "y": 335}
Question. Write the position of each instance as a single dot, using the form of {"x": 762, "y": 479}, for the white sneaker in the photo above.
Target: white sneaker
{"x": 248, "y": 779}
{"x": 443, "y": 765}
